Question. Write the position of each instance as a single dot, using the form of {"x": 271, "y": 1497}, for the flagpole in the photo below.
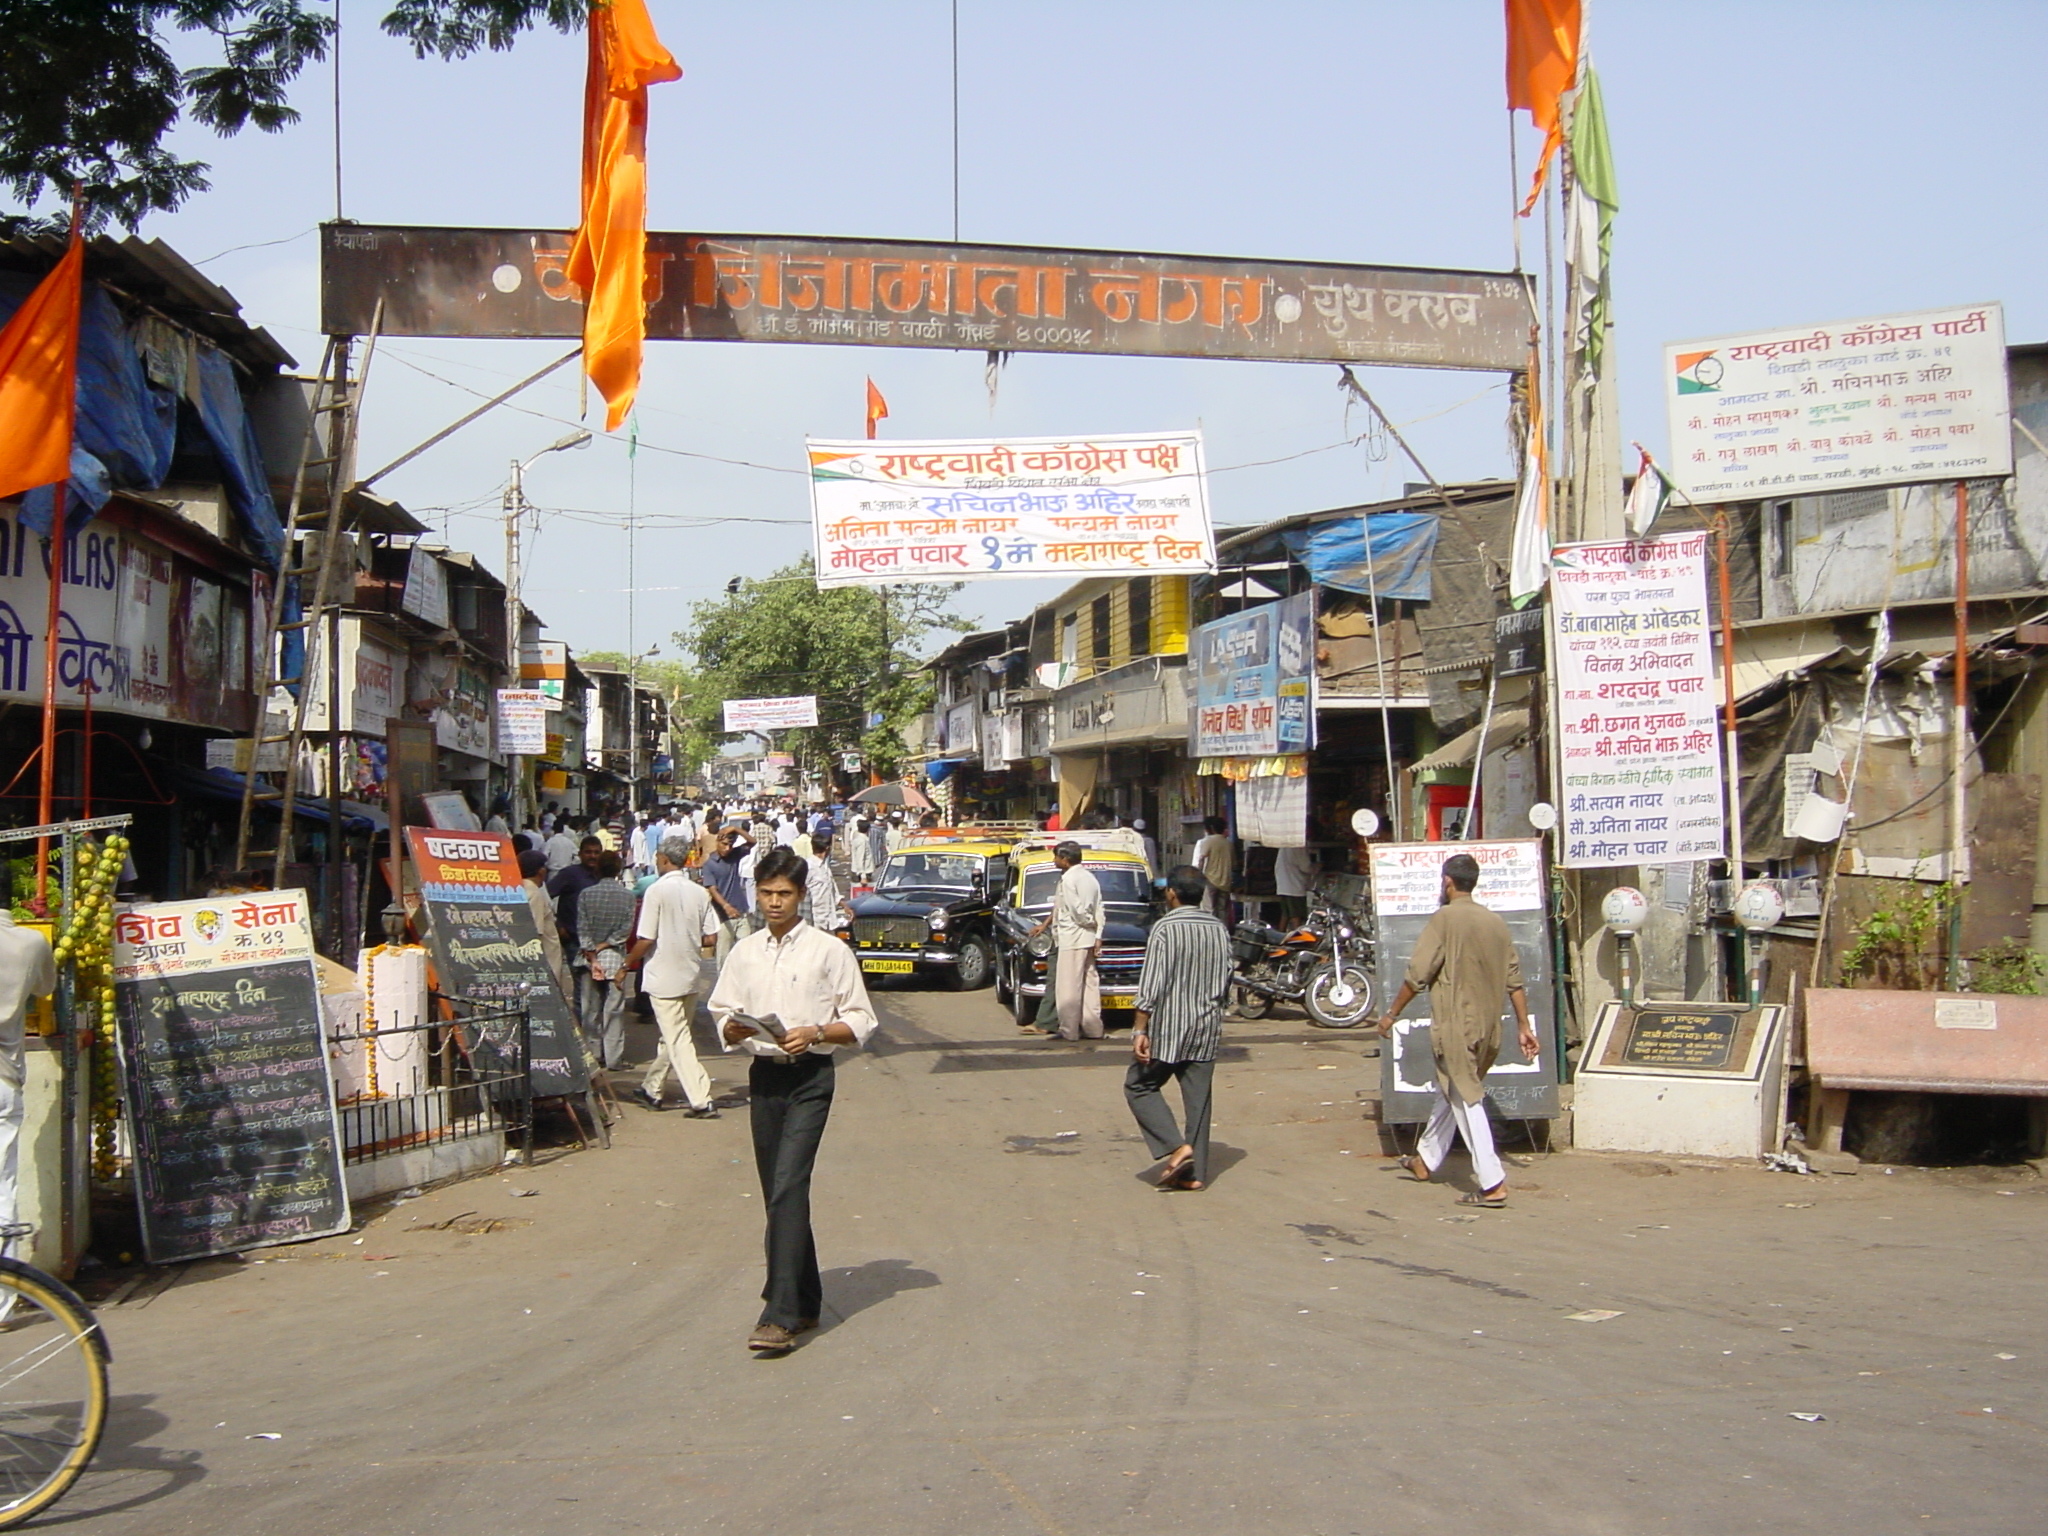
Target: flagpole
{"x": 47, "y": 779}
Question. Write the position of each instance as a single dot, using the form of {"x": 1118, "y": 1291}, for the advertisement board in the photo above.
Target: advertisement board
{"x": 523, "y": 722}
{"x": 1886, "y": 401}
{"x": 889, "y": 512}
{"x": 795, "y": 712}
{"x": 1254, "y": 677}
{"x": 1639, "y": 743}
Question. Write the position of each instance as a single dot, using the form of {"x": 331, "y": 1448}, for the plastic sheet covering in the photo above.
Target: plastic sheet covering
{"x": 1385, "y": 554}
{"x": 233, "y": 437}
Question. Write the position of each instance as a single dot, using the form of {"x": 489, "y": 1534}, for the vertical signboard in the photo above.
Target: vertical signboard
{"x": 1639, "y": 746}
{"x": 1252, "y": 681}
{"x": 230, "y": 1101}
{"x": 522, "y": 722}
{"x": 481, "y": 933}
{"x": 1407, "y": 885}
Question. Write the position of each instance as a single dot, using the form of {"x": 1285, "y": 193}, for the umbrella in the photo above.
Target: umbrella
{"x": 893, "y": 794}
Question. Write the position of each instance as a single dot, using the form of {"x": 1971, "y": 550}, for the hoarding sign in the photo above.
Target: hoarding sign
{"x": 1407, "y": 884}
{"x": 1889, "y": 401}
{"x": 1253, "y": 675}
{"x": 1638, "y": 740}
{"x": 523, "y": 722}
{"x": 888, "y": 512}
{"x": 229, "y": 1095}
{"x": 798, "y": 711}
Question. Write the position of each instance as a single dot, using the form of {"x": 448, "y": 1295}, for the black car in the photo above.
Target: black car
{"x": 930, "y": 913}
{"x": 1129, "y": 908}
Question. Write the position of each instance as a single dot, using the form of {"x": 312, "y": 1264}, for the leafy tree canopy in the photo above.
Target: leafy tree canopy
{"x": 89, "y": 89}
{"x": 856, "y": 648}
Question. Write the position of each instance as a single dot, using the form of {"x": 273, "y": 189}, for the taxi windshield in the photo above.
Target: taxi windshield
{"x": 1120, "y": 882}
{"x": 931, "y": 871}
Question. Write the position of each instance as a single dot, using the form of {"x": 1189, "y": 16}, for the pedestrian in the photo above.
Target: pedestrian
{"x": 1295, "y": 872}
{"x": 724, "y": 876}
{"x": 860, "y": 853}
{"x": 824, "y": 908}
{"x": 1212, "y": 858}
{"x": 604, "y": 934}
{"x": 28, "y": 970}
{"x": 677, "y": 929}
{"x": 879, "y": 847}
{"x": 1178, "y": 1029}
{"x": 532, "y": 871}
{"x": 1076, "y": 924}
{"x": 895, "y": 836}
{"x": 1466, "y": 960}
{"x": 809, "y": 982}
{"x": 567, "y": 886}
{"x": 1151, "y": 843}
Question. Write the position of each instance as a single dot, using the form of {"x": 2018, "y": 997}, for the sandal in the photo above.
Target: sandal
{"x": 1418, "y": 1170}
{"x": 1182, "y": 1177}
{"x": 1493, "y": 1199}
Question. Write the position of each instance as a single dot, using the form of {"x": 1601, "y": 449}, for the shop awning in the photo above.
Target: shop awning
{"x": 1509, "y": 725}
{"x": 226, "y": 785}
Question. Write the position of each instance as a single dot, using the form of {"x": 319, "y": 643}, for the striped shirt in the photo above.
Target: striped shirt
{"x": 604, "y": 915}
{"x": 1184, "y": 984}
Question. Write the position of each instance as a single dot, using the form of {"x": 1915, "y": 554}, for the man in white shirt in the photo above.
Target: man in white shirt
{"x": 561, "y": 845}
{"x": 677, "y": 929}
{"x": 27, "y": 970}
{"x": 1076, "y": 924}
{"x": 824, "y": 908}
{"x": 810, "y": 982}
{"x": 1295, "y": 872}
{"x": 1212, "y": 858}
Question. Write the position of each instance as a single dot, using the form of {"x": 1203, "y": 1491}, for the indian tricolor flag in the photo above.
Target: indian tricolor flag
{"x": 1646, "y": 498}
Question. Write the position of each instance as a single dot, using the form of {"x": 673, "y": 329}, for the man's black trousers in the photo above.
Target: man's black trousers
{"x": 790, "y": 1104}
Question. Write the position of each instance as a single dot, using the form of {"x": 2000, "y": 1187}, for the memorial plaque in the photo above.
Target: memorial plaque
{"x": 1681, "y": 1039}
{"x": 225, "y": 1074}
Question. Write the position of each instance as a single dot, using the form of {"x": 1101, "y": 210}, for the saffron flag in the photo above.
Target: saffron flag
{"x": 1543, "y": 63}
{"x": 609, "y": 259}
{"x": 39, "y": 379}
{"x": 877, "y": 408}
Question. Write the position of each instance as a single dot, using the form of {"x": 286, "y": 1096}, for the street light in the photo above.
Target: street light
{"x": 633, "y": 723}
{"x": 515, "y": 509}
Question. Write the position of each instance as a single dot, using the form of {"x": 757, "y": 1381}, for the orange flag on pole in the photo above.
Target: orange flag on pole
{"x": 609, "y": 259}
{"x": 1543, "y": 63}
{"x": 39, "y": 380}
{"x": 877, "y": 408}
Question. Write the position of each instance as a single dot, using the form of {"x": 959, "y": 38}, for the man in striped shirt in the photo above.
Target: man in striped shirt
{"x": 1179, "y": 1027}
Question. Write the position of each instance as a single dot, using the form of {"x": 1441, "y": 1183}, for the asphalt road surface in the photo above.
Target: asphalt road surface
{"x": 1024, "y": 1336}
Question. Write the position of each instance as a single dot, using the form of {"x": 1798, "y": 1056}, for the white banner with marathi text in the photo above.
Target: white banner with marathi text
{"x": 1637, "y": 737}
{"x": 888, "y": 512}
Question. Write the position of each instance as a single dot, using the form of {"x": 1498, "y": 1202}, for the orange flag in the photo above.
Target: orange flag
{"x": 1543, "y": 63}
{"x": 609, "y": 260}
{"x": 877, "y": 408}
{"x": 39, "y": 380}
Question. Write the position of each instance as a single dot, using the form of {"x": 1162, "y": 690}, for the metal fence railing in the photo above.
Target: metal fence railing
{"x": 472, "y": 1078}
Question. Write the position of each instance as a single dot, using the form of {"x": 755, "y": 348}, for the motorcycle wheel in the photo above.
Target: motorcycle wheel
{"x": 1347, "y": 980}
{"x": 1252, "y": 1005}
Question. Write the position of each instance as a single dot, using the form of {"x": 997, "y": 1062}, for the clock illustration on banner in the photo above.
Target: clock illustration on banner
{"x": 1708, "y": 371}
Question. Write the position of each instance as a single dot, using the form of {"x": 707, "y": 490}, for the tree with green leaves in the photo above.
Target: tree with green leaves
{"x": 856, "y": 648}
{"x": 89, "y": 89}
{"x": 682, "y": 687}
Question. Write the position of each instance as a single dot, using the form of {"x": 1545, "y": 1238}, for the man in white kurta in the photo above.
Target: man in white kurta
{"x": 1076, "y": 924}
{"x": 678, "y": 927}
{"x": 28, "y": 970}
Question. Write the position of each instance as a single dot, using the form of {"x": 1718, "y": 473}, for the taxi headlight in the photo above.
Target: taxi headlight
{"x": 938, "y": 922}
{"x": 1040, "y": 945}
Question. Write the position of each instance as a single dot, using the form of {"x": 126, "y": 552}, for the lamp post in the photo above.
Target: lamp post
{"x": 515, "y": 509}
{"x": 633, "y": 723}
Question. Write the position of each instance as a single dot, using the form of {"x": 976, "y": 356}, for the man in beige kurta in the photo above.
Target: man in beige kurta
{"x": 1466, "y": 961}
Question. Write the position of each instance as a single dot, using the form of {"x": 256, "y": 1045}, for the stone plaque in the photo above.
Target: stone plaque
{"x": 1681, "y": 1038}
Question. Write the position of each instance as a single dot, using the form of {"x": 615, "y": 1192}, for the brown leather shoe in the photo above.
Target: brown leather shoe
{"x": 771, "y": 1339}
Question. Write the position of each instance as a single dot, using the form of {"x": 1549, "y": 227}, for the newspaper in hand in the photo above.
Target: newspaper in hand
{"x": 768, "y": 1025}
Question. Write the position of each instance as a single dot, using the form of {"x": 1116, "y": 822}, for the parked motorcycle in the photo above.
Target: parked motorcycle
{"x": 1326, "y": 965}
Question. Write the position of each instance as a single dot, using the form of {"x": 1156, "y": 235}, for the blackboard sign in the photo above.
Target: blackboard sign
{"x": 229, "y": 1098}
{"x": 1407, "y": 880}
{"x": 486, "y": 946}
{"x": 1696, "y": 1039}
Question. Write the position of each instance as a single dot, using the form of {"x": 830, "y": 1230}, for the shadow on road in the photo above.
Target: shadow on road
{"x": 125, "y": 1473}
{"x": 852, "y": 1289}
{"x": 1222, "y": 1158}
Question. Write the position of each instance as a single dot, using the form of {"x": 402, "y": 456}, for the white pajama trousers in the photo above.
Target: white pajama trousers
{"x": 672, "y": 1017}
{"x": 1466, "y": 1120}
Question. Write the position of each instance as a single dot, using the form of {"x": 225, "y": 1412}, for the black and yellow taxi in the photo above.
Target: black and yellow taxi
{"x": 1129, "y": 907}
{"x": 931, "y": 909}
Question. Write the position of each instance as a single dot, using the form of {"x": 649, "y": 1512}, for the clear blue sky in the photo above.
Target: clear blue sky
{"x": 1780, "y": 163}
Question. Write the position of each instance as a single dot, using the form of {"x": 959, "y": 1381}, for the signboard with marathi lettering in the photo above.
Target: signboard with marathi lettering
{"x": 1407, "y": 890}
{"x": 889, "y": 512}
{"x": 1252, "y": 674}
{"x": 1640, "y": 749}
{"x": 522, "y": 722}
{"x": 796, "y": 712}
{"x": 1890, "y": 401}
{"x": 486, "y": 948}
{"x": 229, "y": 1096}
{"x": 898, "y": 293}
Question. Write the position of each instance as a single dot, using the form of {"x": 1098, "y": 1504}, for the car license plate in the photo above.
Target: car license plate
{"x": 1119, "y": 999}
{"x": 889, "y": 967}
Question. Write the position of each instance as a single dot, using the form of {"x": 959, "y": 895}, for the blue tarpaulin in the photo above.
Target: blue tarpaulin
{"x": 1400, "y": 546}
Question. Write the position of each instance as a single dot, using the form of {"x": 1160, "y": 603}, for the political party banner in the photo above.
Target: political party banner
{"x": 889, "y": 512}
{"x": 227, "y": 1085}
{"x": 523, "y": 722}
{"x": 481, "y": 933}
{"x": 1253, "y": 680}
{"x": 795, "y": 712}
{"x": 1407, "y": 889}
{"x": 1640, "y": 753}
{"x": 1889, "y": 401}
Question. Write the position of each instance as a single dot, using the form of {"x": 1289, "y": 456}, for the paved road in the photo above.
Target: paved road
{"x": 1023, "y": 1336}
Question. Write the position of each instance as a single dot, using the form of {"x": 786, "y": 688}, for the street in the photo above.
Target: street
{"x": 1023, "y": 1336}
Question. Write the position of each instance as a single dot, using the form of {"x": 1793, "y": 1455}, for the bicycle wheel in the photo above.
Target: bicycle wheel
{"x": 53, "y": 1390}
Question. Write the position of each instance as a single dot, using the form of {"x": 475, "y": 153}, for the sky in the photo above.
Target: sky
{"x": 1780, "y": 163}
